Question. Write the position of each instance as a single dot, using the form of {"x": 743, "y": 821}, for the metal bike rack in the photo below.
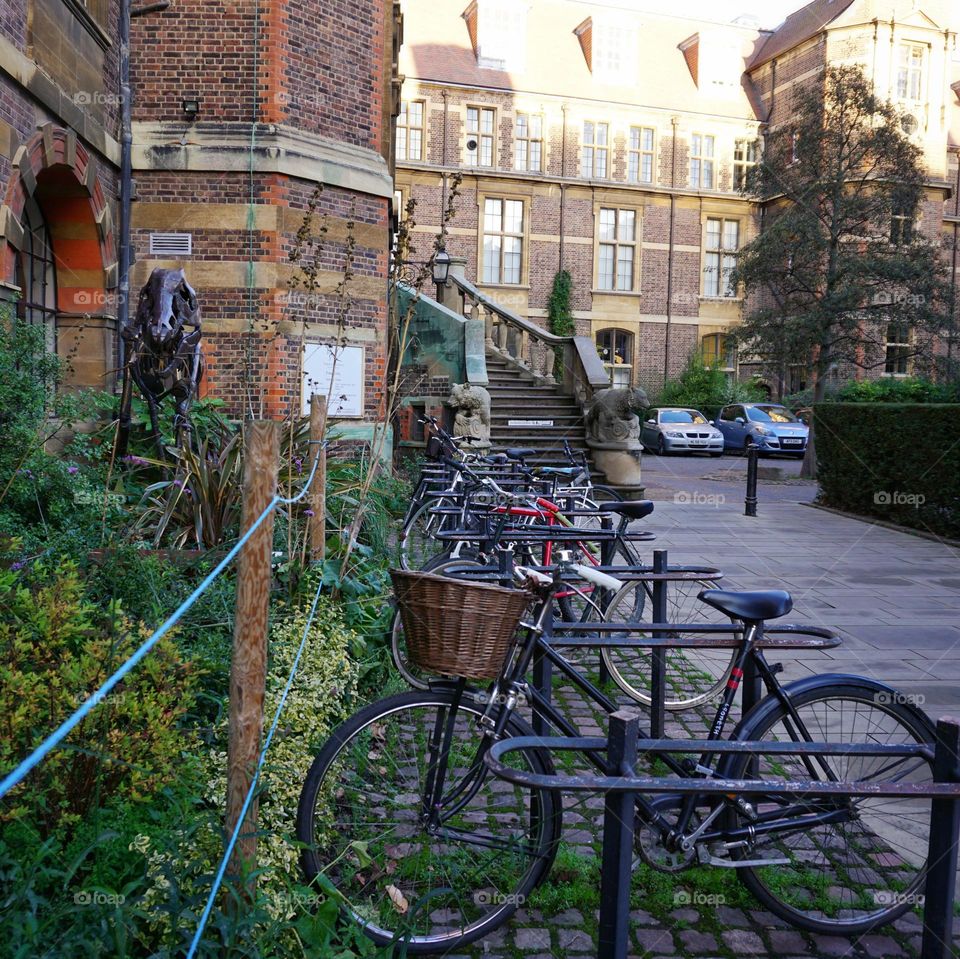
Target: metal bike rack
{"x": 620, "y": 787}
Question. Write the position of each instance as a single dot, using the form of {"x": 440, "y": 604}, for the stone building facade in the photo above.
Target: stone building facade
{"x": 240, "y": 111}
{"x": 612, "y": 144}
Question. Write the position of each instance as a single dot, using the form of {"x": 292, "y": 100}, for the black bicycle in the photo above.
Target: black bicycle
{"x": 402, "y": 822}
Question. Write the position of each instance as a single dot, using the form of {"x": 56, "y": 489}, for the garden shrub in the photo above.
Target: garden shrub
{"x": 56, "y": 648}
{"x": 706, "y": 388}
{"x": 180, "y": 867}
{"x": 896, "y": 461}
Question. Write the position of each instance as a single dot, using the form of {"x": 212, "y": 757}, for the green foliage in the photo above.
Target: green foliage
{"x": 560, "y": 316}
{"x": 55, "y": 648}
{"x": 842, "y": 168}
{"x": 896, "y": 461}
{"x": 889, "y": 389}
{"x": 706, "y": 388}
{"x": 199, "y": 506}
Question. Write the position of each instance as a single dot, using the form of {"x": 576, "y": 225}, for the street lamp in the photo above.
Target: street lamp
{"x": 441, "y": 267}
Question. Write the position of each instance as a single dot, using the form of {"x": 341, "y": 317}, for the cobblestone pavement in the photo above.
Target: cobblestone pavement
{"x": 892, "y": 597}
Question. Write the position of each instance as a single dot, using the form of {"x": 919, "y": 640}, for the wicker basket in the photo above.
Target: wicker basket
{"x": 454, "y": 627}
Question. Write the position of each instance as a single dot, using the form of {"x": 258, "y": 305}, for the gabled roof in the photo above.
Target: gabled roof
{"x": 439, "y": 48}
{"x": 800, "y": 26}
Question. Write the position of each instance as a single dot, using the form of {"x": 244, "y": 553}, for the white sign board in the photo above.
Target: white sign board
{"x": 345, "y": 392}
{"x": 529, "y": 422}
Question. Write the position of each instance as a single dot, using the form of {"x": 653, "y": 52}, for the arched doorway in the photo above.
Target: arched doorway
{"x": 60, "y": 253}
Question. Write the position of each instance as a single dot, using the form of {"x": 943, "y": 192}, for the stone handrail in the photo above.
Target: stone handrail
{"x": 534, "y": 349}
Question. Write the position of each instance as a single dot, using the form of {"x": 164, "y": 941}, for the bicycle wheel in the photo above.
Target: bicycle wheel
{"x": 848, "y": 877}
{"x": 418, "y": 543}
{"x": 401, "y": 878}
{"x": 413, "y": 674}
{"x": 693, "y": 676}
{"x": 604, "y": 494}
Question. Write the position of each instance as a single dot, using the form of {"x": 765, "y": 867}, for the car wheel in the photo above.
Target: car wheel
{"x": 661, "y": 447}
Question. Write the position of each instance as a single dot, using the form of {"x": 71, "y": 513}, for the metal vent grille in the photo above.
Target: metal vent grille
{"x": 171, "y": 244}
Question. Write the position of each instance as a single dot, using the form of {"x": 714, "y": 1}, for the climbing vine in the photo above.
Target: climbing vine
{"x": 559, "y": 316}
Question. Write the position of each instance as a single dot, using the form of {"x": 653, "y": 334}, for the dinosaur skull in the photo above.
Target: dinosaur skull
{"x": 167, "y": 303}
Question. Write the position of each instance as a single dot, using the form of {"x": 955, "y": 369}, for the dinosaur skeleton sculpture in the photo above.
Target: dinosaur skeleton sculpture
{"x": 162, "y": 357}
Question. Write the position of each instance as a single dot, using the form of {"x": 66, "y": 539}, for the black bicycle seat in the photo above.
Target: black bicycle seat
{"x": 751, "y": 606}
{"x": 518, "y": 453}
{"x": 632, "y": 509}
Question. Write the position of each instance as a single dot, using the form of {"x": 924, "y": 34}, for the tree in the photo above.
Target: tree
{"x": 838, "y": 264}
{"x": 560, "y": 317}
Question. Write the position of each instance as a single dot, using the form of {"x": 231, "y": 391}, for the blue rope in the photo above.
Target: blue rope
{"x": 221, "y": 872}
{"x": 69, "y": 724}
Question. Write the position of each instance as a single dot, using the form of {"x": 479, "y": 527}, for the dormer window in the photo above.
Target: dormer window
{"x": 609, "y": 45}
{"x": 498, "y": 32}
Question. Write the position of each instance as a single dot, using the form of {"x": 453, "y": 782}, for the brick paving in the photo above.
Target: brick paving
{"x": 892, "y": 596}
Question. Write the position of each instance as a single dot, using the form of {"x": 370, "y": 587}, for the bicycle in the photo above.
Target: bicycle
{"x": 402, "y": 822}
{"x": 695, "y": 676}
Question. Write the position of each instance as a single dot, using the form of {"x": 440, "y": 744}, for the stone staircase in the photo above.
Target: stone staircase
{"x": 542, "y": 417}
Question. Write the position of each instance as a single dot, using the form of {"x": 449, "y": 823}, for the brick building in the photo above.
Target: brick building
{"x": 240, "y": 111}
{"x": 611, "y": 143}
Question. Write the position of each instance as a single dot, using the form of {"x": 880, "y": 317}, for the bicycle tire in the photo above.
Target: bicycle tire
{"x": 416, "y": 677}
{"x": 825, "y": 864}
{"x": 417, "y": 543}
{"x": 391, "y": 883}
{"x": 605, "y": 494}
{"x": 693, "y": 676}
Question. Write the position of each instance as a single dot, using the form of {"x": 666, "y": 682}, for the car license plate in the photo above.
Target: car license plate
{"x": 791, "y": 442}
{"x": 698, "y": 442}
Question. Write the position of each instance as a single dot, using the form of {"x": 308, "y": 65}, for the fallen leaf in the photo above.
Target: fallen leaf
{"x": 398, "y": 900}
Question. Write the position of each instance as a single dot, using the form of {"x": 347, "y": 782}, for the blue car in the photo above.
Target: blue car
{"x": 768, "y": 426}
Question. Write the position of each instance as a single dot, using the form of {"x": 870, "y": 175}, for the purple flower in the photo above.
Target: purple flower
{"x": 136, "y": 460}
{"x": 73, "y": 469}
{"x": 308, "y": 512}
{"x": 16, "y": 566}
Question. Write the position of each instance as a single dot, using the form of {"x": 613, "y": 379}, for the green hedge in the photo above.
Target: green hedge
{"x": 896, "y": 461}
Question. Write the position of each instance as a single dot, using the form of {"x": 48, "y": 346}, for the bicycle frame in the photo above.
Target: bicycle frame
{"x": 511, "y": 687}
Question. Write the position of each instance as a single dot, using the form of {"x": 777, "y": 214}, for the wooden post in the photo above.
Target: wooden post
{"x": 318, "y": 490}
{"x": 248, "y": 668}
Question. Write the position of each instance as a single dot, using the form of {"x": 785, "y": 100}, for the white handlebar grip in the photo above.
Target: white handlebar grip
{"x": 603, "y": 580}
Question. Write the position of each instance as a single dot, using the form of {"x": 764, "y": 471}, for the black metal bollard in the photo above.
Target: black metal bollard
{"x": 658, "y": 657}
{"x": 944, "y": 832}
{"x": 750, "y": 502}
{"x": 618, "y": 825}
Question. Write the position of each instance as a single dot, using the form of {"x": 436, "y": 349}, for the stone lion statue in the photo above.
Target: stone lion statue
{"x": 472, "y": 406}
{"x": 612, "y": 416}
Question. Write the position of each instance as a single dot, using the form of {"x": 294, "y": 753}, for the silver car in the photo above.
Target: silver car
{"x": 674, "y": 429}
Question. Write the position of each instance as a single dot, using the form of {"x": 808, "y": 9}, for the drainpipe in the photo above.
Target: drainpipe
{"x": 125, "y": 253}
{"x": 443, "y": 193}
{"x": 674, "y": 120}
{"x": 953, "y": 273}
{"x": 563, "y": 173}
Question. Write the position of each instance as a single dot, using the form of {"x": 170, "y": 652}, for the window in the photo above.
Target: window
{"x": 596, "y": 144}
{"x": 898, "y": 350}
{"x": 36, "y": 274}
{"x": 502, "y": 240}
{"x": 701, "y": 162}
{"x": 481, "y": 124}
{"x": 744, "y": 159}
{"x": 640, "y": 155}
{"x": 720, "y": 258}
{"x": 613, "y": 49}
{"x": 901, "y": 223}
{"x": 410, "y": 130}
{"x": 618, "y": 245}
{"x": 910, "y": 59}
{"x": 529, "y": 150}
{"x": 715, "y": 352}
{"x": 615, "y": 348}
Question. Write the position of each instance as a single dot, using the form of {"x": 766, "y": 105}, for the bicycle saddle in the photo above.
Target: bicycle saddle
{"x": 518, "y": 453}
{"x": 558, "y": 470}
{"x": 752, "y": 606}
{"x": 635, "y": 509}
